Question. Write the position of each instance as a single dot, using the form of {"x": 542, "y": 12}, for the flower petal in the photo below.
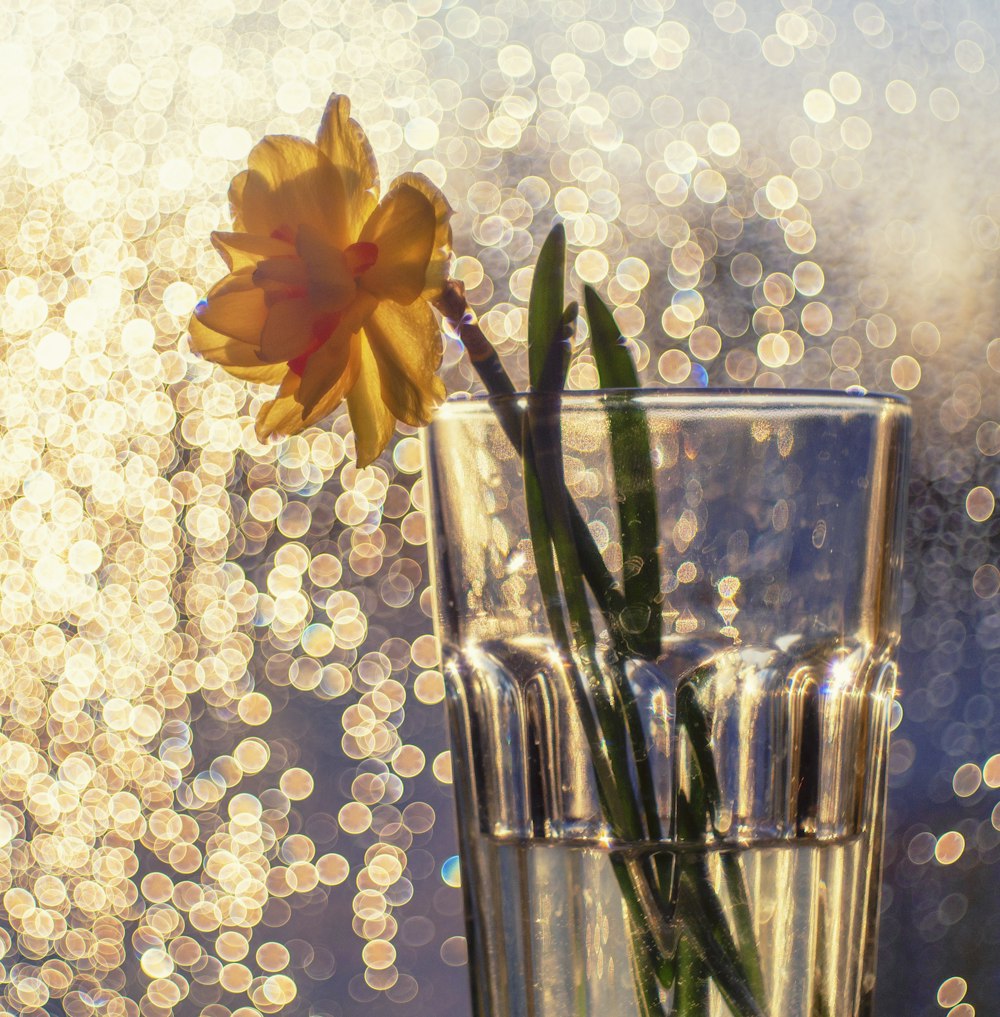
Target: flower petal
{"x": 288, "y": 414}
{"x": 360, "y": 257}
{"x": 236, "y": 188}
{"x": 331, "y": 282}
{"x": 265, "y": 374}
{"x": 440, "y": 262}
{"x": 238, "y": 358}
{"x": 288, "y": 331}
{"x": 344, "y": 143}
{"x": 338, "y": 352}
{"x": 236, "y": 308}
{"x": 292, "y": 182}
{"x": 245, "y": 250}
{"x": 371, "y": 419}
{"x": 282, "y": 415}
{"x": 403, "y": 227}
{"x": 282, "y": 277}
{"x": 406, "y": 342}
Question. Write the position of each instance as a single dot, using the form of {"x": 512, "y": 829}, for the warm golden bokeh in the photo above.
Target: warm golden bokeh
{"x": 190, "y": 619}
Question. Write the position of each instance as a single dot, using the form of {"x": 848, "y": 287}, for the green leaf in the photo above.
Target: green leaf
{"x": 541, "y": 543}
{"x": 640, "y": 623}
{"x": 614, "y": 365}
{"x": 545, "y": 304}
{"x": 691, "y": 997}
{"x": 556, "y": 367}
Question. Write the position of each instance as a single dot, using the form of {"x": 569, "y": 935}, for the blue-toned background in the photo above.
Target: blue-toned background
{"x": 224, "y": 780}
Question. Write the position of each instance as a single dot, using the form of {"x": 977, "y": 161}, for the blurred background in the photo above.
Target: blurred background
{"x": 224, "y": 774}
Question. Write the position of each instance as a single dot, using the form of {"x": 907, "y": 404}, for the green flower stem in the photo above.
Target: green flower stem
{"x": 705, "y": 919}
{"x": 640, "y": 625}
{"x": 637, "y": 630}
{"x": 590, "y": 691}
{"x": 649, "y": 937}
{"x": 710, "y": 932}
{"x": 603, "y": 703}
{"x": 644, "y": 976}
{"x": 706, "y": 929}
{"x": 595, "y": 697}
{"x": 452, "y": 304}
{"x": 691, "y": 994}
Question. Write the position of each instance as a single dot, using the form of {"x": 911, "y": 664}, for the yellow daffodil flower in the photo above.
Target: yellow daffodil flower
{"x": 328, "y": 287}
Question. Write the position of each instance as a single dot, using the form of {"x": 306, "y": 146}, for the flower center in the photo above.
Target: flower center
{"x": 320, "y": 273}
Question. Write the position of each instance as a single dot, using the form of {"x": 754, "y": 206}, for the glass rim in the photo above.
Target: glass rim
{"x": 461, "y": 404}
